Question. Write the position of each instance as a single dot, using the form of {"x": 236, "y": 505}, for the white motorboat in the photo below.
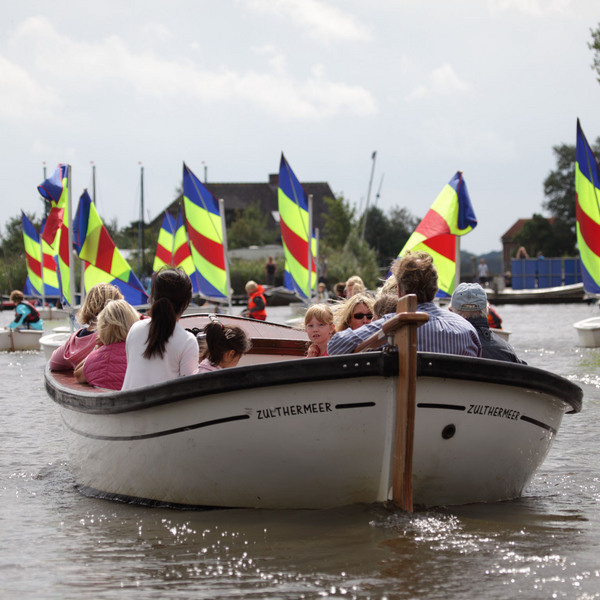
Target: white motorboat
{"x": 20, "y": 339}
{"x": 588, "y": 332}
{"x": 282, "y": 431}
{"x": 51, "y": 341}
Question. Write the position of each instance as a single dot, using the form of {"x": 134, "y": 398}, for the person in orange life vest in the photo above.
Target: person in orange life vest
{"x": 494, "y": 318}
{"x": 26, "y": 315}
{"x": 257, "y": 305}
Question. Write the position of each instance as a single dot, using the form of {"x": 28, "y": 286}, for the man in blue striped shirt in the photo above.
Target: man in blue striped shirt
{"x": 445, "y": 332}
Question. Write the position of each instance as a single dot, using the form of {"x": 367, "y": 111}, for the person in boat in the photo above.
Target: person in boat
{"x": 26, "y": 315}
{"x": 225, "y": 346}
{"x": 354, "y": 312}
{"x": 494, "y": 320}
{"x": 257, "y": 304}
{"x": 445, "y": 332}
{"x": 105, "y": 366}
{"x": 340, "y": 290}
{"x": 318, "y": 322}
{"x": 469, "y": 300}
{"x": 354, "y": 285}
{"x": 81, "y": 342}
{"x": 270, "y": 270}
{"x": 322, "y": 294}
{"x": 159, "y": 348}
{"x": 384, "y": 304}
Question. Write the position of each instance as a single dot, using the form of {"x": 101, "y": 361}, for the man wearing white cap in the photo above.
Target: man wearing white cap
{"x": 469, "y": 300}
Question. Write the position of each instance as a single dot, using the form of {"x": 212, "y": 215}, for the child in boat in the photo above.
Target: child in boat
{"x": 83, "y": 341}
{"x": 26, "y": 315}
{"x": 105, "y": 366}
{"x": 318, "y": 322}
{"x": 384, "y": 304}
{"x": 159, "y": 348}
{"x": 225, "y": 345}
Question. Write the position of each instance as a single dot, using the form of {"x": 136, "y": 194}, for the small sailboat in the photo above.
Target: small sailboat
{"x": 587, "y": 192}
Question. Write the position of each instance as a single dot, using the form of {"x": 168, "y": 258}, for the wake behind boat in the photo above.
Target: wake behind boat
{"x": 283, "y": 431}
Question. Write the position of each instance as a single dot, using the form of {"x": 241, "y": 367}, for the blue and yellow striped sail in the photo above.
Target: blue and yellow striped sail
{"x": 450, "y": 215}
{"x": 587, "y": 193}
{"x": 294, "y": 222}
{"x": 204, "y": 227}
{"x": 104, "y": 262}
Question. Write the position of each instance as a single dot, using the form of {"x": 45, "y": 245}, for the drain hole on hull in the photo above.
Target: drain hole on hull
{"x": 448, "y": 431}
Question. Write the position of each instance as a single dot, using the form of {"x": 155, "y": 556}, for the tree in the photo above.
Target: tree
{"x": 594, "y": 45}
{"x": 250, "y": 229}
{"x": 338, "y": 221}
{"x": 551, "y": 238}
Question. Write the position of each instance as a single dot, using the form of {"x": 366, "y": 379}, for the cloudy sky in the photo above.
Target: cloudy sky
{"x": 434, "y": 86}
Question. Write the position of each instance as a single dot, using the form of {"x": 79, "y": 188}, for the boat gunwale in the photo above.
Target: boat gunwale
{"x": 65, "y": 391}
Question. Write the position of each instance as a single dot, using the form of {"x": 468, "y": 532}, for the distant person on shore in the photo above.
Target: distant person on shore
{"x": 83, "y": 341}
{"x": 105, "y": 366}
{"x": 159, "y": 348}
{"x": 257, "y": 304}
{"x": 522, "y": 253}
{"x": 483, "y": 273}
{"x": 323, "y": 269}
{"x": 26, "y": 315}
{"x": 354, "y": 285}
{"x": 318, "y": 322}
{"x": 469, "y": 300}
{"x": 225, "y": 346}
{"x": 445, "y": 332}
{"x": 353, "y": 312}
{"x": 270, "y": 270}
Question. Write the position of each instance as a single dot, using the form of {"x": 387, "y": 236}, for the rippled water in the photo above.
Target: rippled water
{"x": 56, "y": 543}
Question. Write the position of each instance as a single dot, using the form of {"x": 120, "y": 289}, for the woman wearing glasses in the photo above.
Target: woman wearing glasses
{"x": 354, "y": 312}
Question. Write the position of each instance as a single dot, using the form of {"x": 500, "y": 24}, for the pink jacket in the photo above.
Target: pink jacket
{"x": 105, "y": 367}
{"x": 73, "y": 351}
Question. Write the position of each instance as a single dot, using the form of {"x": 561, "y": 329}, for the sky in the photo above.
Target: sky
{"x": 487, "y": 87}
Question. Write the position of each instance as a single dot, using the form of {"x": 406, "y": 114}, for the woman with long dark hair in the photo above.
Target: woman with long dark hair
{"x": 159, "y": 349}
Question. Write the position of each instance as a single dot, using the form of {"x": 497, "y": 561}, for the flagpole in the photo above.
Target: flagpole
{"x": 456, "y": 260}
{"x": 373, "y": 157}
{"x": 225, "y": 252}
{"x": 70, "y": 237}
{"x": 310, "y": 256}
{"x": 42, "y": 249}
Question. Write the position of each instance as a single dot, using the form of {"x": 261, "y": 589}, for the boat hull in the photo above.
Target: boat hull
{"x": 588, "y": 332}
{"x": 17, "y": 340}
{"x": 553, "y": 295}
{"x": 315, "y": 433}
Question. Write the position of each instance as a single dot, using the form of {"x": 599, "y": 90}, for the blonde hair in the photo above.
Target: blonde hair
{"x": 16, "y": 296}
{"x": 95, "y": 301}
{"x": 321, "y": 312}
{"x": 115, "y": 320}
{"x": 251, "y": 286}
{"x": 385, "y": 304}
{"x": 356, "y": 283}
{"x": 344, "y": 311}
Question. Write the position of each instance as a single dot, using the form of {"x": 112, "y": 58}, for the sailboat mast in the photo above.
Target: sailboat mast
{"x": 310, "y": 255}
{"x": 225, "y": 252}
{"x": 71, "y": 254}
{"x": 141, "y": 226}
{"x": 456, "y": 260}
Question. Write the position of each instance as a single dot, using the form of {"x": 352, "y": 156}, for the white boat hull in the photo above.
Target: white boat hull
{"x": 16, "y": 340}
{"x": 315, "y": 433}
{"x": 51, "y": 341}
{"x": 588, "y": 332}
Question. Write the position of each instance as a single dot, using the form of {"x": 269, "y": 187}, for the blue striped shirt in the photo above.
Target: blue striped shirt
{"x": 445, "y": 332}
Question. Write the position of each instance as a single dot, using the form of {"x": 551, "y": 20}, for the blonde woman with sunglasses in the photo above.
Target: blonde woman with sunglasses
{"x": 354, "y": 312}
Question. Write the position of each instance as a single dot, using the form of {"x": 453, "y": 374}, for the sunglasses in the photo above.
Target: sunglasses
{"x": 359, "y": 316}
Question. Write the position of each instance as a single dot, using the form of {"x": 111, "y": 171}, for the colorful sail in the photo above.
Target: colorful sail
{"x": 450, "y": 215}
{"x": 182, "y": 256}
{"x": 294, "y": 220}
{"x": 104, "y": 261}
{"x": 55, "y": 190}
{"x": 42, "y": 278}
{"x": 165, "y": 243}
{"x": 587, "y": 193}
{"x": 205, "y": 230}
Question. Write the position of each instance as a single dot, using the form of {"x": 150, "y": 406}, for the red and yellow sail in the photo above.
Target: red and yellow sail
{"x": 165, "y": 243}
{"x": 205, "y": 230}
{"x": 294, "y": 220}
{"x": 450, "y": 215}
{"x": 104, "y": 262}
{"x": 55, "y": 190}
{"x": 42, "y": 278}
{"x": 587, "y": 191}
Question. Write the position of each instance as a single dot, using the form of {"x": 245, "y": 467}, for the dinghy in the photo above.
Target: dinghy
{"x": 282, "y": 431}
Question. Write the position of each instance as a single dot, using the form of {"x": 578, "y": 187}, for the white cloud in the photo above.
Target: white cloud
{"x": 442, "y": 81}
{"x": 101, "y": 67}
{"x": 323, "y": 22}
{"x": 21, "y": 96}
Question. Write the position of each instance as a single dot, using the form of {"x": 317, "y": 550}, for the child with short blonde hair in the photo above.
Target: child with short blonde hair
{"x": 318, "y": 322}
